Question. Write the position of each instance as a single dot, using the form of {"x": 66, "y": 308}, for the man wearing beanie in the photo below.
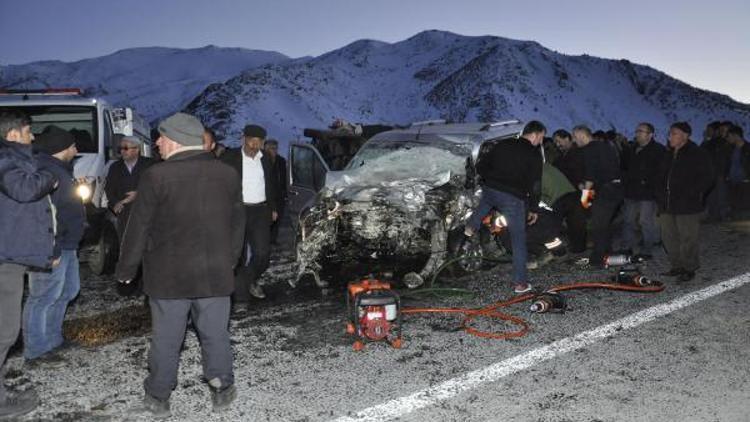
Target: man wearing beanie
{"x": 685, "y": 175}
{"x": 260, "y": 193}
{"x": 27, "y": 231}
{"x": 187, "y": 228}
{"x": 50, "y": 292}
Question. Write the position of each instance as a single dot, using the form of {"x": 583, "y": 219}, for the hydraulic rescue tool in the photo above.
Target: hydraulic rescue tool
{"x": 374, "y": 313}
{"x": 549, "y": 302}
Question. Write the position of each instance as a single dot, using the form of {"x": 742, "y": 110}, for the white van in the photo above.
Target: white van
{"x": 96, "y": 126}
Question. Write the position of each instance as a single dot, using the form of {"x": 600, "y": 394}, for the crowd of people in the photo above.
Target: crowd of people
{"x": 198, "y": 227}
{"x": 199, "y": 224}
{"x": 589, "y": 180}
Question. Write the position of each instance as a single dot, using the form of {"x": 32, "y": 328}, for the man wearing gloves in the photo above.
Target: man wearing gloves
{"x": 51, "y": 291}
{"x": 187, "y": 227}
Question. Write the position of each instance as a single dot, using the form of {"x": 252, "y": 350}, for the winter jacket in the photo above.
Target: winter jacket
{"x": 27, "y": 225}
{"x": 601, "y": 163}
{"x": 554, "y": 184}
{"x": 720, "y": 152}
{"x": 513, "y": 166}
{"x": 120, "y": 181}
{"x": 571, "y": 164}
{"x": 187, "y": 226}
{"x": 744, "y": 161}
{"x": 234, "y": 159}
{"x": 641, "y": 168}
{"x": 70, "y": 215}
{"x": 684, "y": 177}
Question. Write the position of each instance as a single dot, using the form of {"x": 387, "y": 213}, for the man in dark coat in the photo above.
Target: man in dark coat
{"x": 602, "y": 176}
{"x": 260, "y": 193}
{"x": 50, "y": 292}
{"x": 512, "y": 173}
{"x": 186, "y": 227}
{"x": 641, "y": 162}
{"x": 720, "y": 151}
{"x": 27, "y": 231}
{"x": 738, "y": 176}
{"x": 271, "y": 148}
{"x": 122, "y": 179}
{"x": 570, "y": 160}
{"x": 684, "y": 176}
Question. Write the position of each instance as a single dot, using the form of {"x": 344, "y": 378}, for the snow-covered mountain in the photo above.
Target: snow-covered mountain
{"x": 156, "y": 81}
{"x": 438, "y": 74}
{"x": 434, "y": 74}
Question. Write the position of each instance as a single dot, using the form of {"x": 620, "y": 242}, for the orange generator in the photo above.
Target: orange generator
{"x": 374, "y": 313}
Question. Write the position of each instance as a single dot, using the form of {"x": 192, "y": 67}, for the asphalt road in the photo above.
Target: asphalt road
{"x": 294, "y": 363}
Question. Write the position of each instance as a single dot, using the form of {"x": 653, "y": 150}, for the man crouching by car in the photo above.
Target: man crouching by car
{"x": 187, "y": 227}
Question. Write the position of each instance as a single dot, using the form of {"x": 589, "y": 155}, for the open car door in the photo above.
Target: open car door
{"x": 307, "y": 175}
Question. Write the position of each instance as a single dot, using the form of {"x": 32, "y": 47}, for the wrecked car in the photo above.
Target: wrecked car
{"x": 397, "y": 208}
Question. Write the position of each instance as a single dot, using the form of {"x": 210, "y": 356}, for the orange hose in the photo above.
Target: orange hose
{"x": 490, "y": 311}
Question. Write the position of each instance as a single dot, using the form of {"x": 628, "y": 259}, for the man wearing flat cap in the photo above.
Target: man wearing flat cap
{"x": 187, "y": 228}
{"x": 685, "y": 175}
{"x": 260, "y": 193}
{"x": 50, "y": 292}
{"x": 122, "y": 178}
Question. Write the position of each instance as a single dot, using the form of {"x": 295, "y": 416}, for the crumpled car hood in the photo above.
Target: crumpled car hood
{"x": 400, "y": 179}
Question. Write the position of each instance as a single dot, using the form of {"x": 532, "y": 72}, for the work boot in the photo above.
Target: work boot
{"x": 221, "y": 398}
{"x": 239, "y": 309}
{"x": 17, "y": 404}
{"x": 256, "y": 291}
{"x": 50, "y": 360}
{"x": 157, "y": 407}
{"x": 522, "y": 288}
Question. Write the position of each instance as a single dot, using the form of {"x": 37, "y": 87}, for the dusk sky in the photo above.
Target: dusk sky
{"x": 704, "y": 43}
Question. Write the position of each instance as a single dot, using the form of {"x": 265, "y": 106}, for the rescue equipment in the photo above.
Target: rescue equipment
{"x": 549, "y": 302}
{"x": 374, "y": 313}
{"x": 587, "y": 198}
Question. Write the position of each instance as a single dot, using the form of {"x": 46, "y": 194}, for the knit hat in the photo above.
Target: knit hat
{"x": 254, "y": 131}
{"x": 53, "y": 139}
{"x": 183, "y": 128}
{"x": 682, "y": 126}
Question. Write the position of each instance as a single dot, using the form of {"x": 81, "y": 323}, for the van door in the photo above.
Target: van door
{"x": 307, "y": 175}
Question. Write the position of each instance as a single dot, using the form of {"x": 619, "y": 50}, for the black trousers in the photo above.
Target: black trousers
{"x": 568, "y": 208}
{"x": 275, "y": 225}
{"x": 606, "y": 203}
{"x": 210, "y": 316}
{"x": 257, "y": 253}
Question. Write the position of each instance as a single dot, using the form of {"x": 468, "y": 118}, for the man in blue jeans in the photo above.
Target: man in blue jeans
{"x": 50, "y": 292}
{"x": 512, "y": 173}
{"x": 26, "y": 239}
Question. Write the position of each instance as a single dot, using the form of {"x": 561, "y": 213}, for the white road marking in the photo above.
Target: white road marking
{"x": 404, "y": 405}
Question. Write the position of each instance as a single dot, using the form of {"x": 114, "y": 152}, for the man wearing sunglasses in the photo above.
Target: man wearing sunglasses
{"x": 122, "y": 179}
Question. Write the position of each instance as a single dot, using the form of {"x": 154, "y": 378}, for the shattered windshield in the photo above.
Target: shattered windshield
{"x": 382, "y": 152}
{"x": 402, "y": 172}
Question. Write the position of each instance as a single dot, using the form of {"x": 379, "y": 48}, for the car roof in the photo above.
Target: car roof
{"x": 20, "y": 100}
{"x": 461, "y": 133}
{"x": 454, "y": 132}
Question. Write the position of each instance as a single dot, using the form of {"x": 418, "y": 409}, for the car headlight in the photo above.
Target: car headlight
{"x": 84, "y": 190}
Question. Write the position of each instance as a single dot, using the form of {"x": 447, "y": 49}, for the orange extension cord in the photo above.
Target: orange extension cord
{"x": 491, "y": 311}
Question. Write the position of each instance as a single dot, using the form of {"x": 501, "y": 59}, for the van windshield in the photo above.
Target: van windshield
{"x": 80, "y": 121}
